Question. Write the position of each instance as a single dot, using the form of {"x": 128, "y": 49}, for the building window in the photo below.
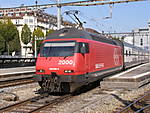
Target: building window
{"x": 141, "y": 42}
{"x": 17, "y": 21}
{"x": 26, "y": 21}
{"x": 10, "y": 14}
{"x": 31, "y": 27}
{"x": 30, "y": 20}
{"x": 17, "y": 14}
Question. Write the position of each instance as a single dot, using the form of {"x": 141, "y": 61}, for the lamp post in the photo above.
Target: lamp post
{"x": 35, "y": 48}
{"x": 133, "y": 37}
{"x": 35, "y": 25}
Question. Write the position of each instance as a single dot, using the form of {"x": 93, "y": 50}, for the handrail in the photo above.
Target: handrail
{"x": 16, "y": 62}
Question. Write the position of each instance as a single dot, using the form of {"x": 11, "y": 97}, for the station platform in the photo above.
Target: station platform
{"x": 17, "y": 70}
{"x": 130, "y": 79}
{"x": 16, "y": 73}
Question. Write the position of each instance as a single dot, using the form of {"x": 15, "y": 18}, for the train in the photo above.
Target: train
{"x": 70, "y": 58}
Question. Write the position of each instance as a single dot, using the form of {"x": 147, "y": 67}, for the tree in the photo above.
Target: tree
{"x": 49, "y": 32}
{"x": 2, "y": 41}
{"x": 8, "y": 32}
{"x": 26, "y": 34}
{"x": 2, "y": 44}
{"x": 37, "y": 33}
{"x": 15, "y": 44}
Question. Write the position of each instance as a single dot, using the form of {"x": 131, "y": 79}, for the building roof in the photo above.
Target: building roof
{"x": 40, "y": 14}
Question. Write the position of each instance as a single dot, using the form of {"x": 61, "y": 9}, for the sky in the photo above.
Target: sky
{"x": 125, "y": 17}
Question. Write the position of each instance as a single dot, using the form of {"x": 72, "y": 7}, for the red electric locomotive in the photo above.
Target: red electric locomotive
{"x": 70, "y": 58}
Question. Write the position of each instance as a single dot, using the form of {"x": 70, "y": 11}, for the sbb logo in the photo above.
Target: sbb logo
{"x": 65, "y": 62}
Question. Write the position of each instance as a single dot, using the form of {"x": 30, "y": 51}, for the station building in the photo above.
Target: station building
{"x": 33, "y": 18}
{"x": 142, "y": 38}
{"x": 139, "y": 37}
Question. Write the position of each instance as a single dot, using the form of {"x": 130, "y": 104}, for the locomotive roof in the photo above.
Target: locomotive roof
{"x": 69, "y": 33}
{"x": 77, "y": 33}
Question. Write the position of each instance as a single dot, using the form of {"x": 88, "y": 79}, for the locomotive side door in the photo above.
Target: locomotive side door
{"x": 85, "y": 52}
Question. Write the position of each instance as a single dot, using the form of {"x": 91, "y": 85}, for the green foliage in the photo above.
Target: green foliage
{"x": 15, "y": 44}
{"x": 8, "y": 34}
{"x": 9, "y": 30}
{"x": 119, "y": 38}
{"x": 2, "y": 44}
{"x": 37, "y": 33}
{"x": 49, "y": 32}
{"x": 26, "y": 34}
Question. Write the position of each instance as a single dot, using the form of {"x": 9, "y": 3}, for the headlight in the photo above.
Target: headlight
{"x": 41, "y": 70}
{"x": 68, "y": 71}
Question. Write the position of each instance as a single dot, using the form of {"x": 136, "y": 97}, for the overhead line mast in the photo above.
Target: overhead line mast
{"x": 58, "y": 15}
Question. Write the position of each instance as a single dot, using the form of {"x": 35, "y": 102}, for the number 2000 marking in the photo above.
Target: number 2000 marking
{"x": 67, "y": 62}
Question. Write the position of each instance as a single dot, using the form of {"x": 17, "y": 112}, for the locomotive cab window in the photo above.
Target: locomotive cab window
{"x": 82, "y": 47}
{"x": 57, "y": 49}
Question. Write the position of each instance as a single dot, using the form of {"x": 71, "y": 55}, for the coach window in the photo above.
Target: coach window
{"x": 141, "y": 42}
{"x": 126, "y": 53}
{"x": 129, "y": 53}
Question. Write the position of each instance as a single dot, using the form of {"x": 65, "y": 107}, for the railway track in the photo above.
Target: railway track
{"x": 36, "y": 104}
{"x": 8, "y": 80}
{"x": 140, "y": 105}
{"x": 10, "y": 83}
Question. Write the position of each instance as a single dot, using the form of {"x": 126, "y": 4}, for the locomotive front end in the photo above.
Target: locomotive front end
{"x": 58, "y": 64}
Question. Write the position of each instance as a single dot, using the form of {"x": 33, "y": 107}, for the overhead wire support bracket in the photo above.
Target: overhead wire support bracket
{"x": 101, "y": 2}
{"x": 74, "y": 12}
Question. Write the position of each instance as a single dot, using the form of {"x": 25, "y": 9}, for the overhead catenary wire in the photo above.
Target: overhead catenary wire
{"x": 78, "y": 3}
{"x": 97, "y": 24}
{"x": 103, "y": 3}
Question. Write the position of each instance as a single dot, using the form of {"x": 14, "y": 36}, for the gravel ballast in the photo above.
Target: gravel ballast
{"x": 93, "y": 101}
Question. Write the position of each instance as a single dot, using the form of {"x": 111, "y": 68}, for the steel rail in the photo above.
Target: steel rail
{"x": 7, "y": 108}
{"x": 16, "y": 82}
{"x": 51, "y": 103}
{"x": 34, "y": 101}
{"x": 143, "y": 108}
{"x": 147, "y": 95}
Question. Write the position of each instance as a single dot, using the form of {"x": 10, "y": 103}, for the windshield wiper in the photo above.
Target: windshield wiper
{"x": 65, "y": 57}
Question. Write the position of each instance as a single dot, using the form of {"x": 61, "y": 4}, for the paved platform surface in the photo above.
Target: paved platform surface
{"x": 16, "y": 73}
{"x": 17, "y": 70}
{"x": 130, "y": 79}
